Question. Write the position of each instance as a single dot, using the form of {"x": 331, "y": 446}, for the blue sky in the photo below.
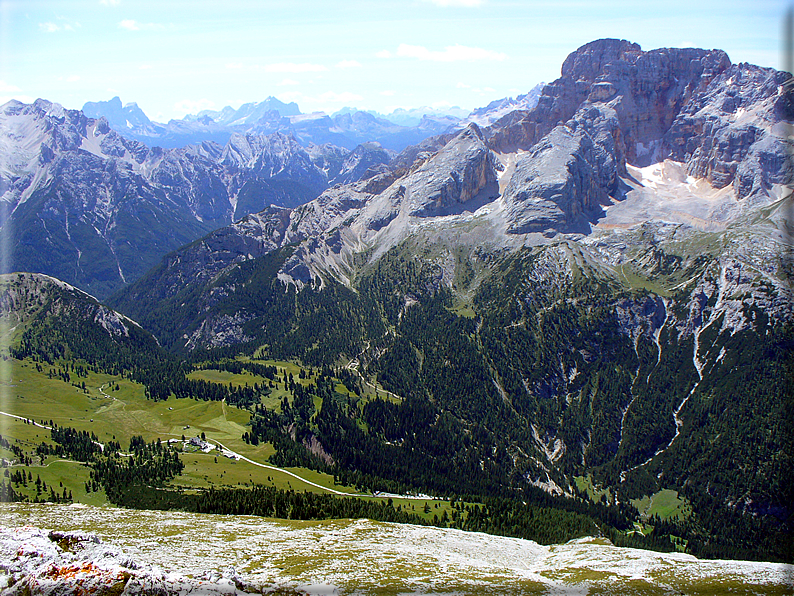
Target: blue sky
{"x": 177, "y": 57}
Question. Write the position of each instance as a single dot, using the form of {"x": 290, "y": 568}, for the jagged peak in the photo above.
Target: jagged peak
{"x": 579, "y": 63}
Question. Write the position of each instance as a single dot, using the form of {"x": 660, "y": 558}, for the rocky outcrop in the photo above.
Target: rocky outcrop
{"x": 365, "y": 161}
{"x": 55, "y": 563}
{"x": 458, "y": 173}
{"x": 329, "y": 158}
{"x": 733, "y": 131}
{"x": 561, "y": 184}
{"x": 646, "y": 89}
{"x": 724, "y": 122}
{"x": 273, "y": 156}
{"x": 193, "y": 176}
{"x": 690, "y": 105}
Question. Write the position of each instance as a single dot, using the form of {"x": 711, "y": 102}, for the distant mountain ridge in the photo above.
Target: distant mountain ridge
{"x": 346, "y": 128}
{"x": 499, "y": 108}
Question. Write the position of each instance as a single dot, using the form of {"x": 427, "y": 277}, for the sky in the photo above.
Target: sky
{"x": 181, "y": 56}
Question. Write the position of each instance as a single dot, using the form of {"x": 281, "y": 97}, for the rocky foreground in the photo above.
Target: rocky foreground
{"x": 38, "y": 561}
{"x": 145, "y": 553}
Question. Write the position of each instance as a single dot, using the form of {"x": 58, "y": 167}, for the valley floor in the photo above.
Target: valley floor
{"x": 366, "y": 557}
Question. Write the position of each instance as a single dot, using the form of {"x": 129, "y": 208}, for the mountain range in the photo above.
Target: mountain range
{"x": 347, "y": 128}
{"x": 597, "y": 286}
{"x": 84, "y": 201}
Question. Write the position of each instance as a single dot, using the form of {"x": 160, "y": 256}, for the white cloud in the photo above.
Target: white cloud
{"x": 463, "y": 86}
{"x": 110, "y": 2}
{"x": 234, "y": 65}
{"x": 189, "y": 106}
{"x": 72, "y": 79}
{"x": 8, "y": 88}
{"x": 467, "y": 3}
{"x": 387, "y": 93}
{"x": 132, "y": 25}
{"x": 383, "y": 54}
{"x": 348, "y": 64}
{"x": 291, "y": 67}
{"x": 287, "y": 82}
{"x": 454, "y": 53}
{"x": 64, "y": 24}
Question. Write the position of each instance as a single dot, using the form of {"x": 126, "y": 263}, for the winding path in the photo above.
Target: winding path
{"x": 44, "y": 426}
{"x": 275, "y": 469}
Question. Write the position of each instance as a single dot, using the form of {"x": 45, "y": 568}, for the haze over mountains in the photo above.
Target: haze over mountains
{"x": 346, "y": 128}
{"x": 594, "y": 286}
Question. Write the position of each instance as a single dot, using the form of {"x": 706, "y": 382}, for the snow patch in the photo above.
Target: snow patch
{"x": 665, "y": 192}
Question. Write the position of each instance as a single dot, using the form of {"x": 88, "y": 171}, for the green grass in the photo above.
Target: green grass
{"x": 585, "y": 484}
{"x": 56, "y": 472}
{"x": 225, "y": 378}
{"x": 639, "y": 282}
{"x": 463, "y": 309}
{"x": 666, "y": 504}
{"x": 127, "y": 413}
{"x": 61, "y": 474}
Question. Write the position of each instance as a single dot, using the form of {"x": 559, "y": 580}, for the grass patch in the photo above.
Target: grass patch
{"x": 121, "y": 414}
{"x": 463, "y": 309}
{"x": 226, "y": 378}
{"x": 639, "y": 282}
{"x": 585, "y": 484}
{"x": 666, "y": 504}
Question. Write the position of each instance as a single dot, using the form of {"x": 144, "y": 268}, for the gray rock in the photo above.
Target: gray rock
{"x": 458, "y": 173}
{"x": 564, "y": 180}
{"x": 731, "y": 132}
{"x": 365, "y": 161}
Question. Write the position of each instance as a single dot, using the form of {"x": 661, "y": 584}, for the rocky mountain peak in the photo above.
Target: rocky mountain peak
{"x": 587, "y": 62}
{"x": 561, "y": 183}
{"x": 365, "y": 161}
{"x": 462, "y": 169}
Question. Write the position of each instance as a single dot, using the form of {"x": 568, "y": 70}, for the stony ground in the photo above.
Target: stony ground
{"x": 55, "y": 549}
